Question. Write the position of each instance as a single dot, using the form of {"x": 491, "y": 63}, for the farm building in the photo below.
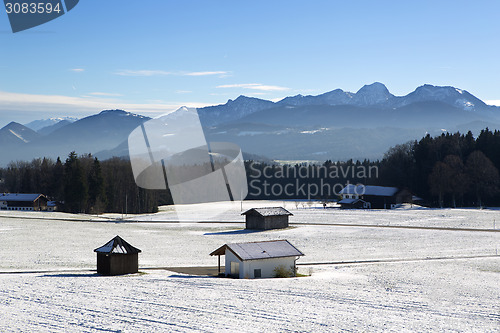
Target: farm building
{"x": 379, "y": 197}
{"x": 117, "y": 257}
{"x": 353, "y": 203}
{"x": 51, "y": 206}
{"x": 258, "y": 259}
{"x": 266, "y": 218}
{"x": 23, "y": 201}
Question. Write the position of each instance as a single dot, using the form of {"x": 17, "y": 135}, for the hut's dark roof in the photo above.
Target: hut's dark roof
{"x": 260, "y": 250}
{"x": 117, "y": 245}
{"x": 20, "y": 196}
{"x": 268, "y": 211}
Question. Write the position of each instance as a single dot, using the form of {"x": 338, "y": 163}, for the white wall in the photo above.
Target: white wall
{"x": 231, "y": 257}
{"x": 266, "y": 266}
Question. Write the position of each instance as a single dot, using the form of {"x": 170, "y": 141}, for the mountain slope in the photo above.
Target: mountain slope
{"x": 49, "y": 129}
{"x": 232, "y": 110}
{"x": 449, "y": 95}
{"x": 93, "y": 134}
{"x": 17, "y": 134}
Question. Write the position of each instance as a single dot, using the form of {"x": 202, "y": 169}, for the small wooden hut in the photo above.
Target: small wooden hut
{"x": 266, "y": 218}
{"x": 117, "y": 257}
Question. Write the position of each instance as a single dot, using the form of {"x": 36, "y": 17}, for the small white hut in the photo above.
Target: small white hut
{"x": 258, "y": 259}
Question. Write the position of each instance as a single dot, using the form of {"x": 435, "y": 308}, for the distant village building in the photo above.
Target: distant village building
{"x": 258, "y": 259}
{"x": 51, "y": 206}
{"x": 23, "y": 201}
{"x": 266, "y": 218}
{"x": 117, "y": 257}
{"x": 354, "y": 203}
{"x": 378, "y": 197}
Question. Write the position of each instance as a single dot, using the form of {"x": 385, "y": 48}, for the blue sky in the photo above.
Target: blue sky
{"x": 153, "y": 56}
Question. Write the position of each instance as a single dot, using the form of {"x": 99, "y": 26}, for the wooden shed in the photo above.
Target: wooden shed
{"x": 258, "y": 259}
{"x": 117, "y": 257}
{"x": 266, "y": 218}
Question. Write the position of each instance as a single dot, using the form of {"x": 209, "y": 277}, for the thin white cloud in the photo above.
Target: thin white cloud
{"x": 493, "y": 102}
{"x": 104, "y": 94}
{"x": 206, "y": 73}
{"x": 148, "y": 72}
{"x": 77, "y": 70}
{"x": 254, "y": 86}
{"x": 144, "y": 72}
{"x": 57, "y": 104}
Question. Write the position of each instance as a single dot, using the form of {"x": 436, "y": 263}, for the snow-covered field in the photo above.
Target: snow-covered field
{"x": 47, "y": 284}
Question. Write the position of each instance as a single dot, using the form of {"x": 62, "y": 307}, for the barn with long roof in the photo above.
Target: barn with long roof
{"x": 23, "y": 201}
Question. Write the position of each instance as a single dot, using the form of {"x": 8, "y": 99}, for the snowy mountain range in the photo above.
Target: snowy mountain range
{"x": 103, "y": 131}
{"x": 336, "y": 125}
{"x": 375, "y": 95}
{"x": 37, "y": 125}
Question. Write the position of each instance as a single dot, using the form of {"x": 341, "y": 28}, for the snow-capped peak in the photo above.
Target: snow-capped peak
{"x": 36, "y": 125}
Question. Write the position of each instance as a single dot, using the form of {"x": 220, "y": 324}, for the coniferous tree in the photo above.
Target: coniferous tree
{"x": 97, "y": 195}
{"x": 57, "y": 187}
{"x": 75, "y": 187}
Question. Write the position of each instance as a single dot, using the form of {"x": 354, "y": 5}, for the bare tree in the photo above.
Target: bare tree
{"x": 458, "y": 178}
{"x": 439, "y": 181}
{"x": 483, "y": 175}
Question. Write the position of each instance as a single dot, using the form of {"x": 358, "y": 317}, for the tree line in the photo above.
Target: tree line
{"x": 451, "y": 170}
{"x": 269, "y": 181}
{"x": 83, "y": 184}
{"x": 447, "y": 170}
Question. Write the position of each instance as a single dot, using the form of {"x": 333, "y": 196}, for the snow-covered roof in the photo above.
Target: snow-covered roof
{"x": 349, "y": 201}
{"x": 268, "y": 211}
{"x": 369, "y": 190}
{"x": 118, "y": 246}
{"x": 260, "y": 250}
{"x": 51, "y": 203}
{"x": 19, "y": 196}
